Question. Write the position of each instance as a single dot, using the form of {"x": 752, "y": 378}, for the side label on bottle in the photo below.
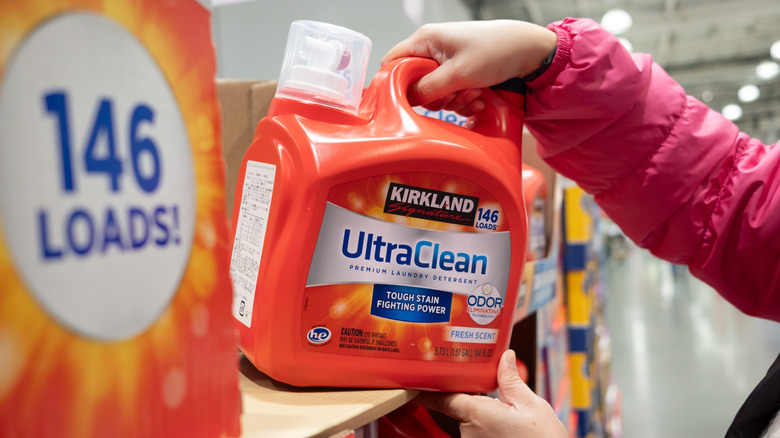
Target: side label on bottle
{"x": 250, "y": 237}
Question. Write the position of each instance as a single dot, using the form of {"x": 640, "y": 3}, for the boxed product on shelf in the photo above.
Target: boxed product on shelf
{"x": 115, "y": 298}
{"x": 606, "y": 392}
{"x": 581, "y": 266}
{"x": 552, "y": 356}
{"x": 541, "y": 342}
{"x": 243, "y": 104}
{"x": 613, "y": 411}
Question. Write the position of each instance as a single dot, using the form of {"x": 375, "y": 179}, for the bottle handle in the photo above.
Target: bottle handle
{"x": 502, "y": 117}
{"x": 504, "y": 112}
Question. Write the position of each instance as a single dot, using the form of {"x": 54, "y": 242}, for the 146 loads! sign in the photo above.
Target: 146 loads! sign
{"x": 113, "y": 254}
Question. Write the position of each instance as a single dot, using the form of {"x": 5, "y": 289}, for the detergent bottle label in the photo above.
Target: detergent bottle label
{"x": 251, "y": 227}
{"x": 412, "y": 266}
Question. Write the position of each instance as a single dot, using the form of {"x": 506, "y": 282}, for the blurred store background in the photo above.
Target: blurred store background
{"x": 724, "y": 52}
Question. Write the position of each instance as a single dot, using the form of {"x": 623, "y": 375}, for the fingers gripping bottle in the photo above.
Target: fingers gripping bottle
{"x": 375, "y": 247}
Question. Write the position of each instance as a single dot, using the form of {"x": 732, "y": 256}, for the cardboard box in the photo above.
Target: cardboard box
{"x": 243, "y": 104}
{"x": 114, "y": 285}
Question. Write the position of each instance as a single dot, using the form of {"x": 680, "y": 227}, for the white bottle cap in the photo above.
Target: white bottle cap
{"x": 324, "y": 64}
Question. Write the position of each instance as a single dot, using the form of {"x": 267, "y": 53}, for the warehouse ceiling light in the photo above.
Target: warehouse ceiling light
{"x": 732, "y": 111}
{"x": 768, "y": 70}
{"x": 616, "y": 21}
{"x": 748, "y": 93}
{"x": 775, "y": 50}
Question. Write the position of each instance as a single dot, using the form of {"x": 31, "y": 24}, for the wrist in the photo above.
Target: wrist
{"x": 542, "y": 68}
{"x": 559, "y": 61}
{"x": 537, "y": 53}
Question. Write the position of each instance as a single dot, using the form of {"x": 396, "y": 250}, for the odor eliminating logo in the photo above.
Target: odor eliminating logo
{"x": 484, "y": 304}
{"x": 318, "y": 335}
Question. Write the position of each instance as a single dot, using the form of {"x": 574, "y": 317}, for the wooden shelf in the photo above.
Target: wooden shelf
{"x": 275, "y": 409}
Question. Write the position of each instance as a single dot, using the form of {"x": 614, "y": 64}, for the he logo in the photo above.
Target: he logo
{"x": 318, "y": 335}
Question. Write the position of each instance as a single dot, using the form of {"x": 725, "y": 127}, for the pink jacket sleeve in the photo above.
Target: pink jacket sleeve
{"x": 677, "y": 177}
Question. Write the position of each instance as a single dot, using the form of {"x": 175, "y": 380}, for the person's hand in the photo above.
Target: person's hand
{"x": 517, "y": 413}
{"x": 472, "y": 55}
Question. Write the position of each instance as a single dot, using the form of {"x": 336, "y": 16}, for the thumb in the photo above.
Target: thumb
{"x": 511, "y": 388}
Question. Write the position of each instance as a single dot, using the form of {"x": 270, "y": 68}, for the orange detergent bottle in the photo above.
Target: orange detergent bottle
{"x": 375, "y": 247}
{"x": 535, "y": 193}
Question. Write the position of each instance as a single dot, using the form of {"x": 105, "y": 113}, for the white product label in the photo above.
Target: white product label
{"x": 97, "y": 186}
{"x": 352, "y": 248}
{"x": 250, "y": 236}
